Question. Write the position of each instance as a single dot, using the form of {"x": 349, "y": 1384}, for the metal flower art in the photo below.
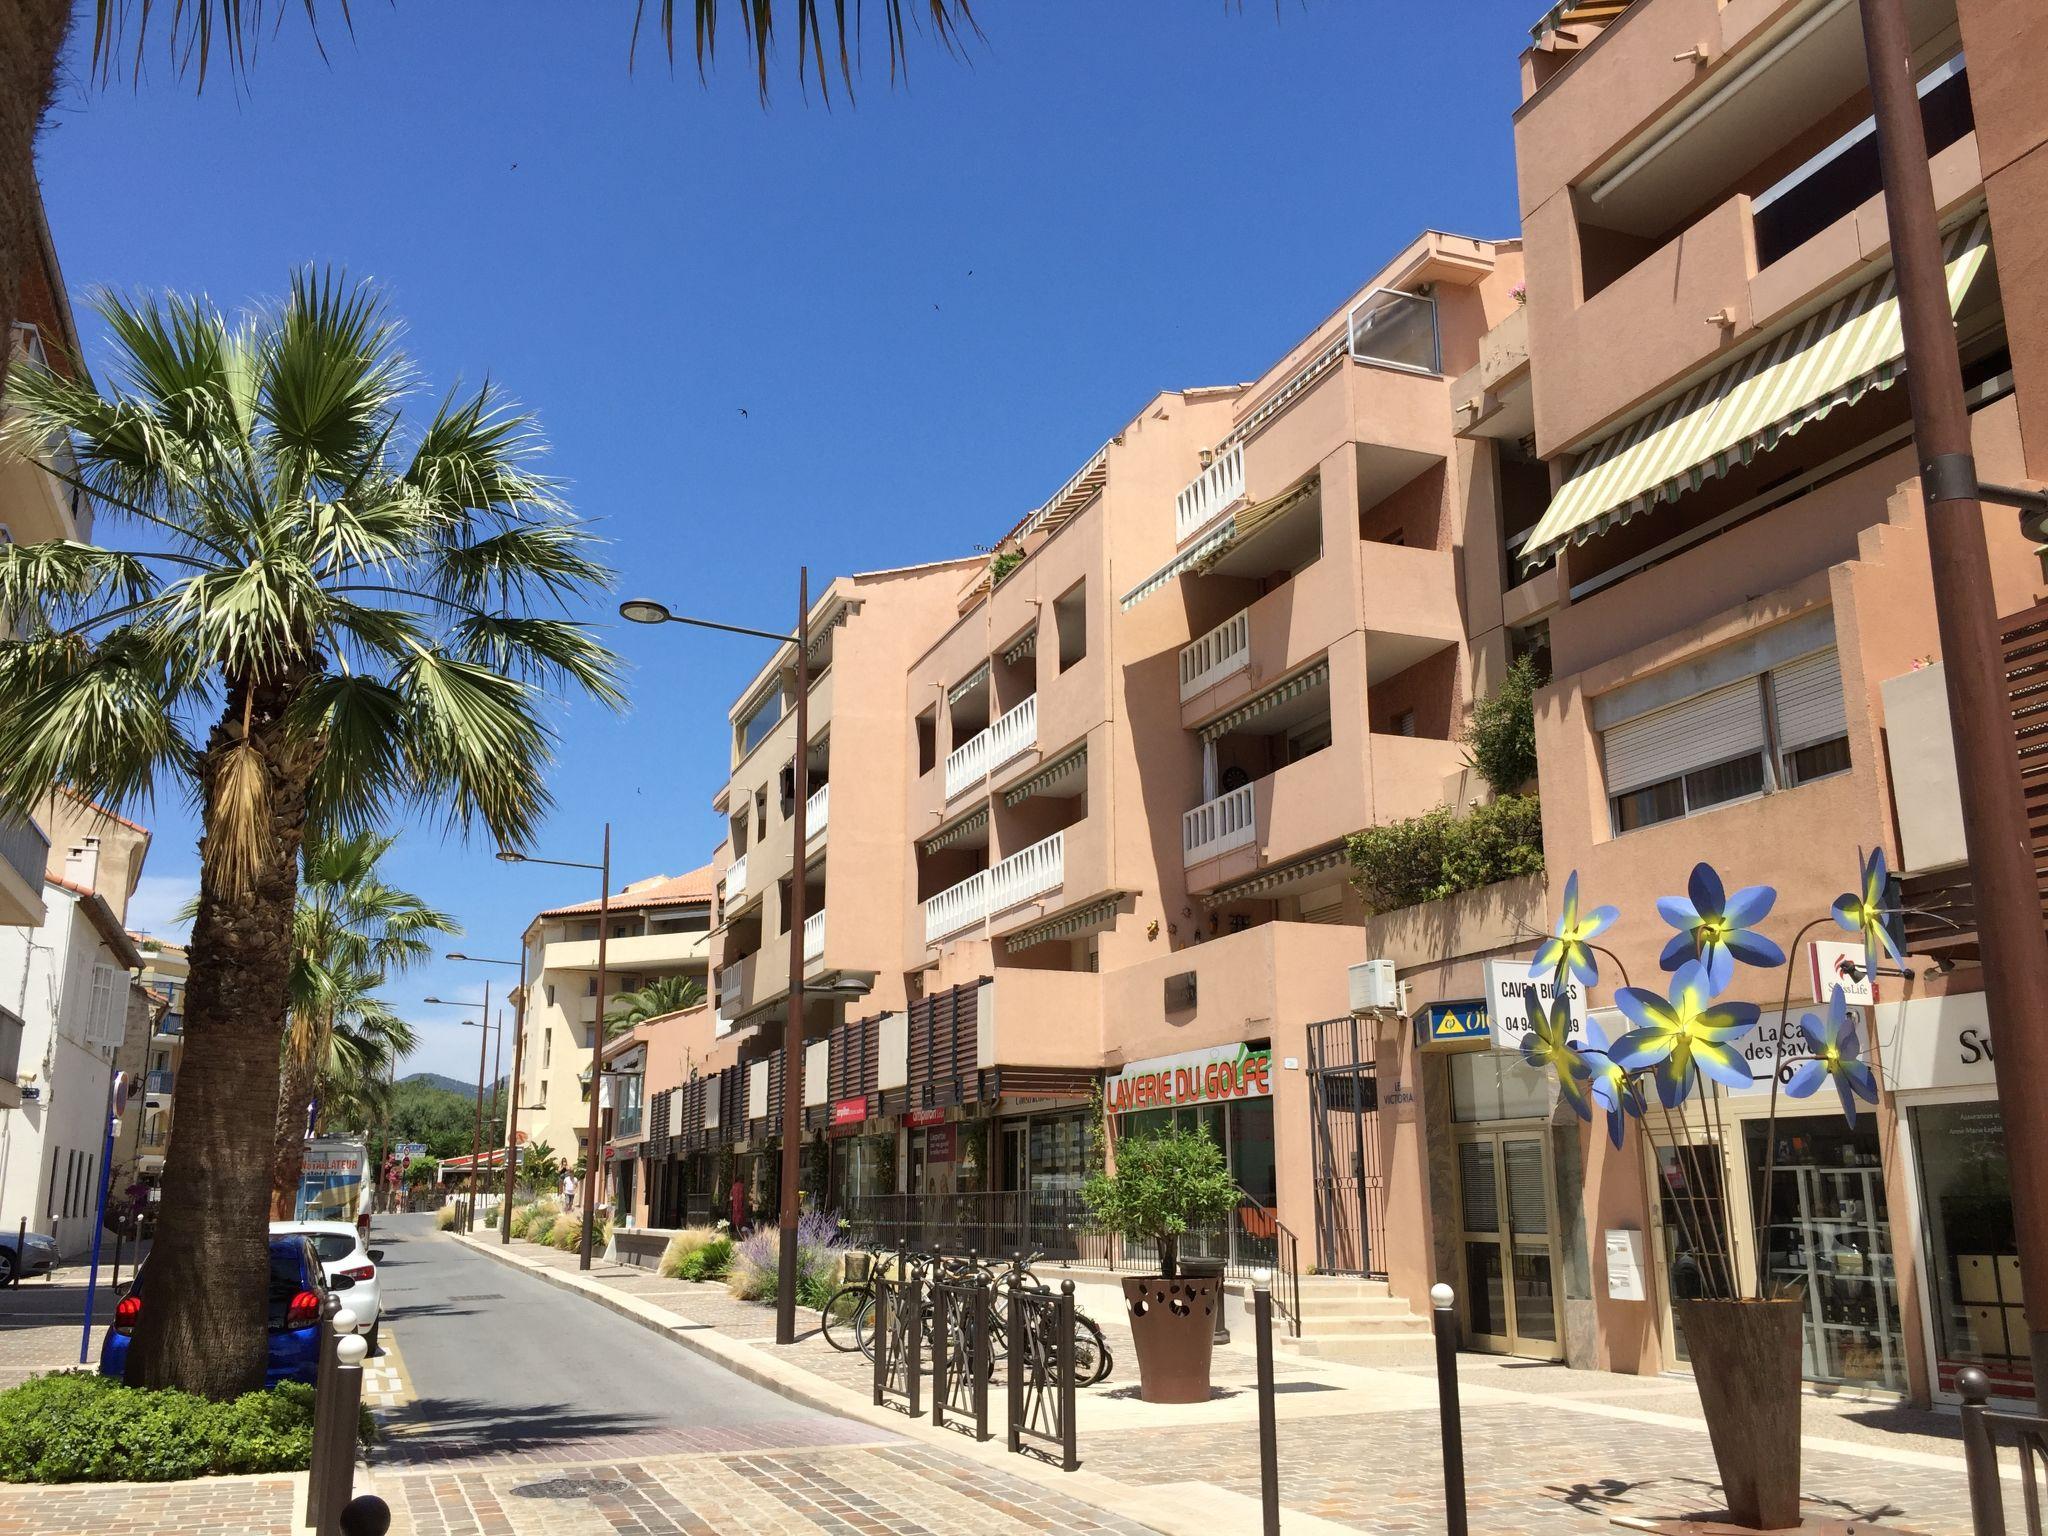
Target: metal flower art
{"x": 1863, "y": 911}
{"x": 1549, "y": 1044}
{"x": 1718, "y": 929}
{"x": 1568, "y": 953}
{"x": 1684, "y": 1030}
{"x": 1836, "y": 1054}
{"x": 1613, "y": 1089}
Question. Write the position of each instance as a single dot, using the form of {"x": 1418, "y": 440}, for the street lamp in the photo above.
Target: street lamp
{"x": 642, "y": 610}
{"x": 593, "y": 1155}
{"x": 518, "y": 1061}
{"x": 476, "y": 1140}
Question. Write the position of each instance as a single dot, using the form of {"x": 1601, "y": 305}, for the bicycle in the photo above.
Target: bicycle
{"x": 843, "y": 1319}
{"x": 1092, "y": 1358}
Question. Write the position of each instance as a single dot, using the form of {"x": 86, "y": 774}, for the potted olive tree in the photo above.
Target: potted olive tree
{"x": 1163, "y": 1185}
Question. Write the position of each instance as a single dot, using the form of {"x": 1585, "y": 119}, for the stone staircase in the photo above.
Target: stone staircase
{"x": 1357, "y": 1322}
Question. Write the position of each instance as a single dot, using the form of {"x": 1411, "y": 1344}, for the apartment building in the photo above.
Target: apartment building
{"x": 1726, "y": 568}
{"x": 659, "y": 927}
{"x": 165, "y": 970}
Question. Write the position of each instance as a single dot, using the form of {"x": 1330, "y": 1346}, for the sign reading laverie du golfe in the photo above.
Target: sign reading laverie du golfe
{"x": 1193, "y": 1077}
{"x": 1507, "y": 1007}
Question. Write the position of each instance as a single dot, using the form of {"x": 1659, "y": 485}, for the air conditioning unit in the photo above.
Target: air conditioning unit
{"x": 1373, "y": 987}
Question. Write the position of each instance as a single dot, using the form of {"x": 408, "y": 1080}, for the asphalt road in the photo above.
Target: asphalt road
{"x": 502, "y": 1361}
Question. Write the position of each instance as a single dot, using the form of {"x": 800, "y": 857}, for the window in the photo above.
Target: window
{"x": 547, "y": 1049}
{"x": 756, "y": 726}
{"x": 1070, "y": 614}
{"x": 927, "y": 742}
{"x": 1404, "y": 723}
{"x": 551, "y": 994}
{"x": 1771, "y": 730}
{"x": 1306, "y": 740}
{"x": 760, "y": 813}
{"x": 107, "y": 1011}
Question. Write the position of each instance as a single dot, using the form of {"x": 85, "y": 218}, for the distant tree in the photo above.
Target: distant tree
{"x": 659, "y": 998}
{"x": 441, "y": 1121}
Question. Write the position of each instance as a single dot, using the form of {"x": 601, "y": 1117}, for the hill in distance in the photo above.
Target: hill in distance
{"x": 445, "y": 1084}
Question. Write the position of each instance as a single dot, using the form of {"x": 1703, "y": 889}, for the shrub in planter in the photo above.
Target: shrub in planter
{"x": 710, "y": 1262}
{"x": 448, "y": 1218}
{"x": 77, "y": 1426}
{"x": 686, "y": 1242}
{"x": 755, "y": 1274}
{"x": 567, "y": 1233}
{"x": 538, "y": 1229}
{"x": 1165, "y": 1185}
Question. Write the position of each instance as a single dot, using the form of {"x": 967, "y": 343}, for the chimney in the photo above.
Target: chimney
{"x": 82, "y": 864}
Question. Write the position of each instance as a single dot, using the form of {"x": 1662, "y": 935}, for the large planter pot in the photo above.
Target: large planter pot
{"x": 1745, "y": 1359}
{"x": 1173, "y": 1327}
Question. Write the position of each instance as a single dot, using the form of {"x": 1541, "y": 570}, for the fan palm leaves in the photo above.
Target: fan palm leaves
{"x": 329, "y": 606}
{"x": 659, "y": 998}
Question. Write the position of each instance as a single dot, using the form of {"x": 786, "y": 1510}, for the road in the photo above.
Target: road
{"x": 503, "y": 1364}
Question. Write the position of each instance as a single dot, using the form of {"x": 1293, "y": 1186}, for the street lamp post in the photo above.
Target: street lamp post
{"x": 518, "y": 1067}
{"x": 593, "y": 1155}
{"x": 645, "y": 611}
{"x": 476, "y": 1140}
{"x": 2002, "y": 869}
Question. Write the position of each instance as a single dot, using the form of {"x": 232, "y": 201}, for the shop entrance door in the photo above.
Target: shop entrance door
{"x": 1344, "y": 1103}
{"x": 1508, "y": 1240}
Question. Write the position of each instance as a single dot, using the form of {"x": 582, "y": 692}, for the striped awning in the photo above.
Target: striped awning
{"x": 1251, "y": 521}
{"x": 1287, "y": 688}
{"x": 1024, "y": 645}
{"x": 961, "y": 828}
{"x": 1065, "y": 926}
{"x": 1184, "y": 560}
{"x": 1046, "y": 777}
{"x": 1747, "y": 408}
{"x": 1271, "y": 879}
{"x": 1577, "y": 13}
{"x": 967, "y": 684}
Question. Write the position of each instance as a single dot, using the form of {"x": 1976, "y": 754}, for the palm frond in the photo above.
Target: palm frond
{"x": 548, "y": 650}
{"x": 101, "y": 717}
{"x": 473, "y": 741}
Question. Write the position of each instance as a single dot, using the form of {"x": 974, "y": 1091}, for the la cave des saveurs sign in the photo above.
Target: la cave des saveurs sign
{"x": 1212, "y": 1076}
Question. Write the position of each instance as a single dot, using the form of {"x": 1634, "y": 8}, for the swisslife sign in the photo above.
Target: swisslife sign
{"x": 1215, "y": 1075}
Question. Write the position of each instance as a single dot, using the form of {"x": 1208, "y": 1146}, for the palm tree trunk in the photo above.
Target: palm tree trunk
{"x": 204, "y": 1327}
{"x": 294, "y": 1103}
{"x": 31, "y": 36}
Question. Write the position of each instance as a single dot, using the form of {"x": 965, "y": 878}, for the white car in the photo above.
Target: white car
{"x": 339, "y": 1246}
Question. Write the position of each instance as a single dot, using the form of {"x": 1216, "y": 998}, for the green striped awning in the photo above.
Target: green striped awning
{"x": 1066, "y": 926}
{"x": 1046, "y": 777}
{"x": 1184, "y": 560}
{"x": 1747, "y": 408}
{"x": 967, "y": 684}
{"x": 1270, "y": 879}
{"x": 1024, "y": 645}
{"x": 961, "y": 828}
{"x": 1287, "y": 688}
{"x": 1251, "y": 521}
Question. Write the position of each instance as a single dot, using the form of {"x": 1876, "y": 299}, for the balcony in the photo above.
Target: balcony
{"x": 10, "y": 1059}
{"x": 732, "y": 989}
{"x": 40, "y": 505}
{"x": 817, "y": 812}
{"x": 734, "y": 883}
{"x": 983, "y": 753}
{"x": 157, "y": 1085}
{"x": 1210, "y": 494}
{"x": 814, "y": 937}
{"x": 1026, "y": 874}
{"x": 1219, "y": 826}
{"x": 170, "y": 1027}
{"x": 1224, "y": 650}
{"x": 956, "y": 908}
{"x": 24, "y": 855}
{"x": 633, "y": 952}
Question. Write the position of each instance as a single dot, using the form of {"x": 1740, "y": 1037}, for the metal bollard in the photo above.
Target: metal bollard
{"x": 367, "y": 1516}
{"x": 338, "y": 1434}
{"x": 1446, "y": 1322}
{"x": 332, "y": 1329}
{"x": 1269, "y": 1430}
{"x": 20, "y": 1251}
{"x": 1980, "y": 1455}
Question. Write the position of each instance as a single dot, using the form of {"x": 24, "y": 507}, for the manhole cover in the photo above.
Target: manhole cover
{"x": 570, "y": 1488}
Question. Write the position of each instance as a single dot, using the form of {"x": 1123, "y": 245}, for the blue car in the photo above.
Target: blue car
{"x": 297, "y": 1288}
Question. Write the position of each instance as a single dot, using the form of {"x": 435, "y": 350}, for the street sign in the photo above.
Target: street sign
{"x": 1833, "y": 962}
{"x": 411, "y": 1149}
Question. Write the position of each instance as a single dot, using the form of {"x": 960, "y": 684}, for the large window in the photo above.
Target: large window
{"x": 1769, "y": 730}
{"x": 758, "y": 724}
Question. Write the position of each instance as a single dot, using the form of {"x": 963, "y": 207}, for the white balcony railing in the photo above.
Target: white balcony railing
{"x": 1219, "y": 825}
{"x": 1027, "y": 873}
{"x": 814, "y": 936}
{"x": 731, "y": 984}
{"x": 987, "y": 750}
{"x": 1225, "y": 649}
{"x": 817, "y": 812}
{"x": 736, "y": 878}
{"x": 956, "y": 908}
{"x": 1211, "y": 493}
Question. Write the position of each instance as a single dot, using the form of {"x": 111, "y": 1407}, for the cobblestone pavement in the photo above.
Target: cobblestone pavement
{"x": 40, "y": 1323}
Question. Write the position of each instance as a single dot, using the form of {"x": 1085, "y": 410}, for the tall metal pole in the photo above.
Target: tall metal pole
{"x": 793, "y": 1031}
{"x": 512, "y": 1109}
{"x": 593, "y": 1157}
{"x": 476, "y": 1140}
{"x": 497, "y": 1066}
{"x": 2008, "y": 900}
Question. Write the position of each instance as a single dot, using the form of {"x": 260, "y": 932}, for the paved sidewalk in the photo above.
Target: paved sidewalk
{"x": 1547, "y": 1449}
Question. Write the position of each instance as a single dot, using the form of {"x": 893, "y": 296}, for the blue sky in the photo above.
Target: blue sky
{"x": 859, "y": 337}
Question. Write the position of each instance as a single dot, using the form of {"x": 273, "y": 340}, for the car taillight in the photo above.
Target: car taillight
{"x": 366, "y": 1272}
{"x": 127, "y": 1314}
{"x": 304, "y": 1311}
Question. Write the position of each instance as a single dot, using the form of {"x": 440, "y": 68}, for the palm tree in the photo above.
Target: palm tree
{"x": 352, "y": 929}
{"x": 338, "y": 620}
{"x": 32, "y": 34}
{"x": 659, "y": 998}
{"x": 540, "y": 1168}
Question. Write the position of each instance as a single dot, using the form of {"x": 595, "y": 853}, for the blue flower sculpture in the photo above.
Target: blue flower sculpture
{"x": 1863, "y": 911}
{"x": 1717, "y": 929}
{"x": 1613, "y": 1090}
{"x": 1836, "y": 1054}
{"x": 1549, "y": 1044}
{"x": 1683, "y": 1030}
{"x": 1568, "y": 953}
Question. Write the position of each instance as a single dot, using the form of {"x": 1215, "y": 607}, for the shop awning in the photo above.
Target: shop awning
{"x": 1046, "y": 777}
{"x": 1182, "y": 561}
{"x": 1833, "y": 358}
{"x": 1280, "y": 693}
{"x": 961, "y": 828}
{"x": 1066, "y": 926}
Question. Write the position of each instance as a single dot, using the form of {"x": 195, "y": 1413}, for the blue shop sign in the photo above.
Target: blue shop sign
{"x": 1462, "y": 1023}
